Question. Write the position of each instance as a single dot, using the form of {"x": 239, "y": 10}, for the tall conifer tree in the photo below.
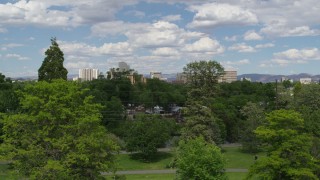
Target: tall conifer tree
{"x": 52, "y": 65}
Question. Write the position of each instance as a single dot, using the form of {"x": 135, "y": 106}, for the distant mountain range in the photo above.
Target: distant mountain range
{"x": 272, "y": 78}
{"x": 254, "y": 77}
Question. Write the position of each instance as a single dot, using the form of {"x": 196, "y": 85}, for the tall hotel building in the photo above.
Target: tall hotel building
{"x": 88, "y": 74}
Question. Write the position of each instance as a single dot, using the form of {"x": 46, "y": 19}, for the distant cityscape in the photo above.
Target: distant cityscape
{"x": 88, "y": 74}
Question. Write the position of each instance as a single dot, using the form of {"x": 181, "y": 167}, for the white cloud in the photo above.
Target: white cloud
{"x": 240, "y": 62}
{"x": 146, "y": 35}
{"x": 231, "y": 38}
{"x": 205, "y": 45}
{"x": 172, "y": 18}
{"x": 242, "y": 47}
{"x": 165, "y": 51}
{"x": 16, "y": 56}
{"x": 285, "y": 31}
{"x": 303, "y": 54}
{"x": 215, "y": 14}
{"x": 85, "y": 50}
{"x": 251, "y": 36}
{"x": 135, "y": 13}
{"x": 295, "y": 56}
{"x": 267, "y": 45}
{"x": 60, "y": 13}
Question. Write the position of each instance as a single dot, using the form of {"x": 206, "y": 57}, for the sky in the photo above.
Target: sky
{"x": 250, "y": 36}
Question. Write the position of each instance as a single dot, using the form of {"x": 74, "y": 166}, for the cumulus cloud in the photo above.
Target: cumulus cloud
{"x": 215, "y": 14}
{"x": 231, "y": 38}
{"x": 85, "y": 50}
{"x": 147, "y": 35}
{"x": 267, "y": 45}
{"x": 60, "y": 13}
{"x": 16, "y": 56}
{"x": 240, "y": 62}
{"x": 166, "y": 51}
{"x": 172, "y": 18}
{"x": 252, "y": 36}
{"x": 286, "y": 31}
{"x": 205, "y": 45}
{"x": 242, "y": 47}
{"x": 295, "y": 56}
{"x": 303, "y": 54}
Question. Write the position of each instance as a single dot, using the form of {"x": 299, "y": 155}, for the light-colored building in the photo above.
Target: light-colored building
{"x": 305, "y": 80}
{"x": 229, "y": 76}
{"x": 181, "y": 78}
{"x": 154, "y": 75}
{"x": 88, "y": 74}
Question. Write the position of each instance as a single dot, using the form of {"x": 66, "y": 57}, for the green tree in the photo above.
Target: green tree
{"x": 52, "y": 65}
{"x": 204, "y": 75}
{"x": 288, "y": 150}
{"x": 147, "y": 133}
{"x": 199, "y": 160}
{"x": 57, "y": 135}
{"x": 199, "y": 121}
{"x": 255, "y": 117}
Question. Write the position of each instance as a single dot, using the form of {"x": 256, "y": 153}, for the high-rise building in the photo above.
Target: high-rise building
{"x": 229, "y": 76}
{"x": 88, "y": 74}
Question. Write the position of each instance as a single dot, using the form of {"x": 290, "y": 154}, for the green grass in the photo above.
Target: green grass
{"x": 231, "y": 176}
{"x": 237, "y": 159}
{"x": 133, "y": 162}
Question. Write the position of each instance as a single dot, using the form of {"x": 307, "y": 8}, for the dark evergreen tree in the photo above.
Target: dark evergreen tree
{"x": 52, "y": 65}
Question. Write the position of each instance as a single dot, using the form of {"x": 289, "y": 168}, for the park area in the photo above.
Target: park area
{"x": 131, "y": 167}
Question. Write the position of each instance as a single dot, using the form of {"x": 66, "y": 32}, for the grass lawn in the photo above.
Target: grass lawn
{"x": 231, "y": 176}
{"x": 235, "y": 159}
{"x": 133, "y": 162}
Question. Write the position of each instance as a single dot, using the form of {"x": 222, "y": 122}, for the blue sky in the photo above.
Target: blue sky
{"x": 250, "y": 36}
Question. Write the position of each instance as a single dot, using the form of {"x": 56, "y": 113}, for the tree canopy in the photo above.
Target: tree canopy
{"x": 288, "y": 148}
{"x": 203, "y": 75}
{"x": 57, "y": 134}
{"x": 199, "y": 160}
{"x": 147, "y": 133}
{"x": 52, "y": 65}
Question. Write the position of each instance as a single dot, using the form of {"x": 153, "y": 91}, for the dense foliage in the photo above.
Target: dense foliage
{"x": 147, "y": 133}
{"x": 198, "y": 159}
{"x": 57, "y": 134}
{"x": 52, "y": 65}
{"x": 288, "y": 148}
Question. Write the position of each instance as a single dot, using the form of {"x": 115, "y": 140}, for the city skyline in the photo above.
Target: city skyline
{"x": 249, "y": 36}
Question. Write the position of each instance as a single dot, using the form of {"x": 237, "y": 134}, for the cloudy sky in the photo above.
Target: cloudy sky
{"x": 250, "y": 36}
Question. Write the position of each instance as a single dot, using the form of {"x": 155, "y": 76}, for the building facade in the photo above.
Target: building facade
{"x": 88, "y": 74}
{"x": 229, "y": 76}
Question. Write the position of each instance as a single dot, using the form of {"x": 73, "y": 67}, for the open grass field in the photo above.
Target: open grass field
{"x": 231, "y": 176}
{"x": 235, "y": 159}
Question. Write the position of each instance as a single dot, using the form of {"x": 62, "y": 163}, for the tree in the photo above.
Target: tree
{"x": 288, "y": 150}
{"x": 199, "y": 160}
{"x": 203, "y": 75}
{"x": 57, "y": 135}
{"x": 52, "y": 65}
{"x": 199, "y": 121}
{"x": 255, "y": 117}
{"x": 147, "y": 133}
